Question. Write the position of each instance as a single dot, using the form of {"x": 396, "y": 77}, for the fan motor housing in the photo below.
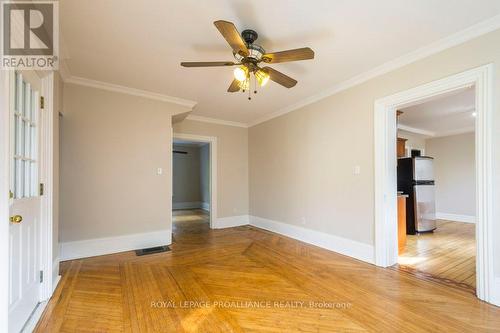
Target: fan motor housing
{"x": 255, "y": 53}
{"x": 249, "y": 36}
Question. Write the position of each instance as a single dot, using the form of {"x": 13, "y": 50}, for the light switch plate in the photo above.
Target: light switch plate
{"x": 159, "y": 171}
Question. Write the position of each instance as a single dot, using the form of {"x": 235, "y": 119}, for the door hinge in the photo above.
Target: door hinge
{"x": 42, "y": 187}
{"x": 42, "y": 102}
{"x": 41, "y": 276}
{"x": 11, "y": 194}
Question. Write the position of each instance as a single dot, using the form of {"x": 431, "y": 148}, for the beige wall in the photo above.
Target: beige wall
{"x": 301, "y": 163}
{"x": 186, "y": 175}
{"x": 414, "y": 141}
{"x": 232, "y": 164}
{"x": 454, "y": 173}
{"x": 111, "y": 147}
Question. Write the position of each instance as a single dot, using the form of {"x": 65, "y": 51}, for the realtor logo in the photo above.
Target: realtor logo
{"x": 30, "y": 35}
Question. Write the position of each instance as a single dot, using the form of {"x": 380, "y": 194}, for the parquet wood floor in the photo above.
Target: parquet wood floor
{"x": 448, "y": 254}
{"x": 246, "y": 279}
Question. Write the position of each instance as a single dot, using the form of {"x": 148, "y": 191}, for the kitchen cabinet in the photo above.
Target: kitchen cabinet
{"x": 401, "y": 147}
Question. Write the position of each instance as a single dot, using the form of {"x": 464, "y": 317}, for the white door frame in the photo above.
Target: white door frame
{"x": 47, "y": 178}
{"x": 212, "y": 141}
{"x": 46, "y": 201}
{"x": 385, "y": 171}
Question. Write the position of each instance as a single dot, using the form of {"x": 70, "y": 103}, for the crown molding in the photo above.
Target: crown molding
{"x": 432, "y": 135}
{"x": 130, "y": 91}
{"x": 455, "y": 132}
{"x": 216, "y": 121}
{"x": 455, "y": 39}
{"x": 416, "y": 130}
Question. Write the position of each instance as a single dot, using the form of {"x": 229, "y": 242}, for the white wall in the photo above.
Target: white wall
{"x": 454, "y": 169}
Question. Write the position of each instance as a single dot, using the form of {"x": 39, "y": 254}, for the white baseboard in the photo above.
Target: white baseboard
{"x": 34, "y": 318}
{"x": 495, "y": 293}
{"x": 187, "y": 205}
{"x": 205, "y": 205}
{"x": 55, "y": 273}
{"x": 456, "y": 217}
{"x": 231, "y": 221}
{"x": 361, "y": 251}
{"x": 100, "y": 246}
{"x": 55, "y": 282}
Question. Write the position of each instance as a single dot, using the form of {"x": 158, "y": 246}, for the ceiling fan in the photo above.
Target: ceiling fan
{"x": 249, "y": 57}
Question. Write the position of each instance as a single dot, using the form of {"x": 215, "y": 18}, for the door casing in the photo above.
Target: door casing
{"x": 385, "y": 129}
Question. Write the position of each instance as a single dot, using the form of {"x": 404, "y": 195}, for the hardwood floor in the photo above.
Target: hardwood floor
{"x": 246, "y": 279}
{"x": 448, "y": 254}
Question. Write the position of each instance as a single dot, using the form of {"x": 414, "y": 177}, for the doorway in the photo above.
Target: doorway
{"x": 194, "y": 179}
{"x": 386, "y": 242}
{"x": 436, "y": 188}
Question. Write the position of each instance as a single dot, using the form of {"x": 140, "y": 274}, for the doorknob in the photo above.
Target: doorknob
{"x": 16, "y": 219}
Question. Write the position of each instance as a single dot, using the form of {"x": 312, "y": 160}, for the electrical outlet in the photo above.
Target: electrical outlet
{"x": 356, "y": 170}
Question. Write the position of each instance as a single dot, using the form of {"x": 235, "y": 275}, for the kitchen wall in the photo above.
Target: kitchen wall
{"x": 414, "y": 141}
{"x": 454, "y": 174}
{"x": 111, "y": 147}
{"x": 302, "y": 163}
{"x": 186, "y": 177}
{"x": 232, "y": 164}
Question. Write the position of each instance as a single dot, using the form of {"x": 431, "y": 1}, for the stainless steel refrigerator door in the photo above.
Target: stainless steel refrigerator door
{"x": 425, "y": 208}
{"x": 423, "y": 169}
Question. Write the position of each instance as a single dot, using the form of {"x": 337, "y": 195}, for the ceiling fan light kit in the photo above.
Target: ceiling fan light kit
{"x": 248, "y": 56}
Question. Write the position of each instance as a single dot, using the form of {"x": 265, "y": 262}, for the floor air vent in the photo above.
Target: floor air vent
{"x": 152, "y": 250}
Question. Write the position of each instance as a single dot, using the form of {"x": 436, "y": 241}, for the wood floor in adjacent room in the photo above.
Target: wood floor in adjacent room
{"x": 448, "y": 254}
{"x": 245, "y": 279}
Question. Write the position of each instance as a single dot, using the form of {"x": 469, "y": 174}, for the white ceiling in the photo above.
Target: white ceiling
{"x": 139, "y": 44}
{"x": 447, "y": 114}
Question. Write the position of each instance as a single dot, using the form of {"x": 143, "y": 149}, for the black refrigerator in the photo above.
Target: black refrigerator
{"x": 416, "y": 178}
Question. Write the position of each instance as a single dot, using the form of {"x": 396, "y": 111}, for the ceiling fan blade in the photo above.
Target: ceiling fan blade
{"x": 280, "y": 78}
{"x": 232, "y": 36}
{"x": 234, "y": 87}
{"x": 207, "y": 63}
{"x": 289, "y": 55}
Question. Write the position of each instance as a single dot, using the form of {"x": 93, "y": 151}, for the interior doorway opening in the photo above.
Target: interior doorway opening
{"x": 386, "y": 242}
{"x": 194, "y": 181}
{"x": 191, "y": 182}
{"x": 436, "y": 188}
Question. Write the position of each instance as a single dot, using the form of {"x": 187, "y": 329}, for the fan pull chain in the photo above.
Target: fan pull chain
{"x": 255, "y": 85}
{"x": 249, "y": 83}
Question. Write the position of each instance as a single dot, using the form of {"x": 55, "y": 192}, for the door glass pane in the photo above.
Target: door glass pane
{"x": 21, "y": 138}
{"x": 33, "y": 106}
{"x": 27, "y": 140}
{"x": 33, "y": 143}
{"x": 21, "y": 180}
{"x": 25, "y": 136}
{"x": 27, "y": 178}
{"x": 34, "y": 178}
